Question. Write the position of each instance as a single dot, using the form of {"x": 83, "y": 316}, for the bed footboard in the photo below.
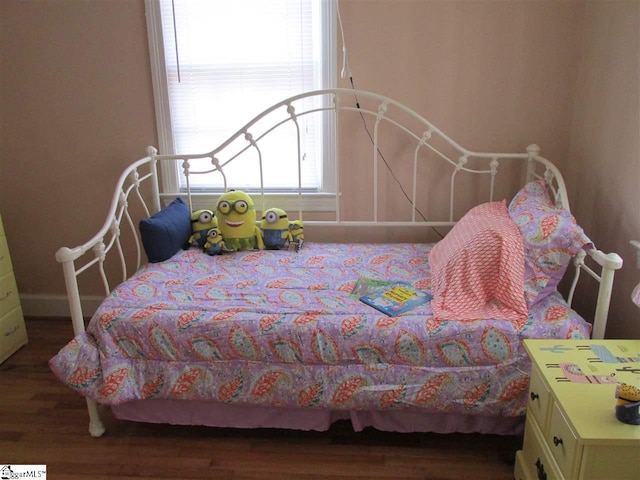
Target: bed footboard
{"x": 608, "y": 263}
{"x": 93, "y": 253}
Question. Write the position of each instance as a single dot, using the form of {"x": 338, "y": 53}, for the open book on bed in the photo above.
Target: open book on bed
{"x": 395, "y": 298}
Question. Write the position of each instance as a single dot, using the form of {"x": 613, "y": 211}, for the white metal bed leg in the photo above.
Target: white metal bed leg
{"x": 96, "y": 427}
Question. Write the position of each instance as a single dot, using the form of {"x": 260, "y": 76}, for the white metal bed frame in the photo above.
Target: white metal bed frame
{"x": 383, "y": 110}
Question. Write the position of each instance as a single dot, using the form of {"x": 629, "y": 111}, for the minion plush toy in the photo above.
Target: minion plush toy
{"x": 215, "y": 243}
{"x": 275, "y": 228}
{"x": 296, "y": 228}
{"x": 237, "y": 221}
{"x": 201, "y": 222}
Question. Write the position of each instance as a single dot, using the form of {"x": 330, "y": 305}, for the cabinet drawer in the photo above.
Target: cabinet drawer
{"x": 5, "y": 258}
{"x": 610, "y": 461}
{"x": 562, "y": 442}
{"x": 9, "y": 298}
{"x": 536, "y": 461}
{"x": 539, "y": 398}
{"x": 13, "y": 333}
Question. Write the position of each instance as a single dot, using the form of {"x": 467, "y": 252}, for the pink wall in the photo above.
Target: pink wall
{"x": 495, "y": 75}
{"x": 76, "y": 103}
{"x": 604, "y": 151}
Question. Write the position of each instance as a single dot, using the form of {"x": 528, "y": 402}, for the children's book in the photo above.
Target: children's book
{"x": 367, "y": 285}
{"x": 396, "y": 298}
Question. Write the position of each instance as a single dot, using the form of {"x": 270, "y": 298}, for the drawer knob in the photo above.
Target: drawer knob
{"x": 534, "y": 396}
{"x": 11, "y": 332}
{"x": 557, "y": 441}
{"x": 542, "y": 475}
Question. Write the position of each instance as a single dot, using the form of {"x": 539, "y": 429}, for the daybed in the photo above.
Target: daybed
{"x": 275, "y": 338}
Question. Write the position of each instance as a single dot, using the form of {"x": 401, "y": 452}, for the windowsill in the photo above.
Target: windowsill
{"x": 308, "y": 202}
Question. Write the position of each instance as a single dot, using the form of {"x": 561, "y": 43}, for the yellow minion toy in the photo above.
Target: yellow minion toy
{"x": 215, "y": 243}
{"x": 201, "y": 222}
{"x": 275, "y": 228}
{"x": 297, "y": 235}
{"x": 296, "y": 228}
{"x": 237, "y": 221}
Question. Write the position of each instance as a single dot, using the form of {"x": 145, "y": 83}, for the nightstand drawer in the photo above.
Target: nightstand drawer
{"x": 9, "y": 298}
{"x": 13, "y": 333}
{"x": 562, "y": 443}
{"x": 536, "y": 462}
{"x": 5, "y": 258}
{"x": 539, "y": 398}
{"x": 611, "y": 461}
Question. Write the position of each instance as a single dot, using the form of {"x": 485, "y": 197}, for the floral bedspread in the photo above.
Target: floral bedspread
{"x": 279, "y": 328}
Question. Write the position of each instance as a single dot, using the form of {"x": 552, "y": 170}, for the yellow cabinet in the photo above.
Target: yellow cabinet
{"x": 13, "y": 333}
{"x": 571, "y": 430}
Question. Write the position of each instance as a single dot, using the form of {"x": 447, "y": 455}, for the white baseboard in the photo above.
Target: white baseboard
{"x": 34, "y": 305}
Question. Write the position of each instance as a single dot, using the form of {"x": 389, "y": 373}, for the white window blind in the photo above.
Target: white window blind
{"x": 221, "y": 62}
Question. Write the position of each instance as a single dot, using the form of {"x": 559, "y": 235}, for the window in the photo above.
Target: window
{"x": 218, "y": 63}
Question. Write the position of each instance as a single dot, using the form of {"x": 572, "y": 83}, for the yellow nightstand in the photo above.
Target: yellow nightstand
{"x": 571, "y": 430}
{"x": 13, "y": 333}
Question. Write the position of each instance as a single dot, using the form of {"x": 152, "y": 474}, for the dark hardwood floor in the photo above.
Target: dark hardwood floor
{"x": 43, "y": 422}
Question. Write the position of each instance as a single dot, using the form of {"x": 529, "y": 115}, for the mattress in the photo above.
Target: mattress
{"x": 277, "y": 328}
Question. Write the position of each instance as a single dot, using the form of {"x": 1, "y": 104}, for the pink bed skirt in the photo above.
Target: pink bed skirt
{"x": 176, "y": 412}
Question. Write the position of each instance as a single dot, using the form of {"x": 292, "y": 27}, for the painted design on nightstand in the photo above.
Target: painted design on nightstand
{"x": 573, "y": 373}
{"x": 629, "y": 370}
{"x": 604, "y": 355}
{"x": 556, "y": 349}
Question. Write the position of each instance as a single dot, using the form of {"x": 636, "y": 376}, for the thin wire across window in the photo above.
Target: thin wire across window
{"x": 227, "y": 61}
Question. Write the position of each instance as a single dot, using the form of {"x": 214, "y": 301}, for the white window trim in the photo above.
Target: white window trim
{"x": 324, "y": 200}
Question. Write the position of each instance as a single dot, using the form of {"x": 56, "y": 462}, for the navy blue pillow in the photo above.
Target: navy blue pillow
{"x": 166, "y": 232}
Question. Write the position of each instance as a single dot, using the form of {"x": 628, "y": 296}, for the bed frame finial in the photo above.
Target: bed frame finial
{"x": 382, "y": 109}
{"x": 151, "y": 151}
{"x": 533, "y": 150}
{"x": 291, "y": 111}
{"x": 462, "y": 161}
{"x": 426, "y": 136}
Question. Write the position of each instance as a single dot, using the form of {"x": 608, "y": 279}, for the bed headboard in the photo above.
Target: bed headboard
{"x": 398, "y": 142}
{"x": 384, "y": 147}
